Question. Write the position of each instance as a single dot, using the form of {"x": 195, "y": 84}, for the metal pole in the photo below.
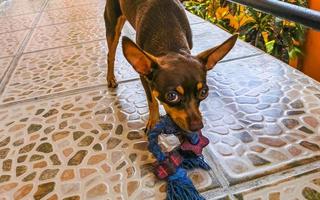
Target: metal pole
{"x": 304, "y": 16}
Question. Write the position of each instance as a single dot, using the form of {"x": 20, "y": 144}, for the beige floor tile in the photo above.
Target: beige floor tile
{"x": 20, "y": 7}
{"x": 89, "y": 145}
{"x": 71, "y": 14}
{"x": 11, "y": 42}
{"x": 304, "y": 187}
{"x": 63, "y": 69}
{"x": 4, "y": 63}
{"x": 16, "y": 23}
{"x": 262, "y": 118}
{"x": 66, "y": 34}
{"x": 57, "y": 4}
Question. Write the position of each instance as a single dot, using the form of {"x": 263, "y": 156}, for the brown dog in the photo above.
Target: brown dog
{"x": 162, "y": 57}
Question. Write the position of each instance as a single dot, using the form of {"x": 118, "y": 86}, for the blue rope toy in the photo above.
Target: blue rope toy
{"x": 172, "y": 166}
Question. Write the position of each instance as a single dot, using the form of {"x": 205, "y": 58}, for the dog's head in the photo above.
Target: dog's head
{"x": 177, "y": 80}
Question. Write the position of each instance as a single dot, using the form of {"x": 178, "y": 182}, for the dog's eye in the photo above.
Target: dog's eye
{"x": 203, "y": 93}
{"x": 173, "y": 97}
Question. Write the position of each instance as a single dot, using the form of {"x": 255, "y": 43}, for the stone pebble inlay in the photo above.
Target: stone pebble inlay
{"x": 20, "y": 7}
{"x": 254, "y": 117}
{"x": 71, "y": 14}
{"x": 10, "y": 42}
{"x": 89, "y": 145}
{"x": 63, "y": 69}
{"x": 304, "y": 187}
{"x": 66, "y": 34}
{"x": 4, "y": 63}
{"x": 16, "y": 23}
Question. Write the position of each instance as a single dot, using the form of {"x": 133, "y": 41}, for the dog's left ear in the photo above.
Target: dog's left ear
{"x": 211, "y": 56}
{"x": 141, "y": 61}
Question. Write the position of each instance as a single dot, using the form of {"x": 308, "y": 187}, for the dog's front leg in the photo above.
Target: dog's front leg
{"x": 153, "y": 105}
{"x": 114, "y": 21}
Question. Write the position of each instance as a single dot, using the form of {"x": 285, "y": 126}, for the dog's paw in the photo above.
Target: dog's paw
{"x": 112, "y": 82}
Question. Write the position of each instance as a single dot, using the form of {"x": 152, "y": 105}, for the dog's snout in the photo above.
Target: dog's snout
{"x": 196, "y": 125}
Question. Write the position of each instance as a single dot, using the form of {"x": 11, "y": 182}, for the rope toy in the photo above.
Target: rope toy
{"x": 172, "y": 166}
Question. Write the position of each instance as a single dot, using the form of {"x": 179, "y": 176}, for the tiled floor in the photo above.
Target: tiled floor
{"x": 71, "y": 14}
{"x": 264, "y": 116}
{"x": 65, "y": 135}
{"x": 296, "y": 187}
{"x": 16, "y": 23}
{"x": 65, "y": 34}
{"x": 4, "y": 63}
{"x": 20, "y": 7}
{"x": 11, "y": 41}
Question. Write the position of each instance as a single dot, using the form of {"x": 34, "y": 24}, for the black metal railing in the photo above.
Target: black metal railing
{"x": 304, "y": 16}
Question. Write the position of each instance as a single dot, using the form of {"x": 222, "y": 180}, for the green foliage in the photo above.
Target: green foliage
{"x": 280, "y": 38}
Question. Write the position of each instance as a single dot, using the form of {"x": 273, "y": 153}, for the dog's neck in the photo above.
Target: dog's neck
{"x": 157, "y": 46}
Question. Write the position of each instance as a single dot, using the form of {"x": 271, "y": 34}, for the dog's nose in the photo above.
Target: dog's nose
{"x": 196, "y": 125}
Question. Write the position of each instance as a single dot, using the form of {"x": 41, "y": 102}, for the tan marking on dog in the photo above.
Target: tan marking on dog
{"x": 199, "y": 85}
{"x": 153, "y": 110}
{"x": 155, "y": 93}
{"x": 178, "y": 116}
{"x": 180, "y": 89}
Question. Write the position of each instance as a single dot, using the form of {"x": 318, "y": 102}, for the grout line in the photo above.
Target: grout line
{"x": 64, "y": 93}
{"x": 11, "y": 69}
{"x": 15, "y": 60}
{"x": 8, "y": 73}
{"x": 77, "y": 20}
{"x": 5, "y": 72}
{"x": 73, "y": 21}
{"x": 216, "y": 170}
{"x": 86, "y": 89}
{"x": 74, "y": 44}
{"x": 24, "y": 29}
{"x": 218, "y": 174}
{"x": 52, "y": 96}
{"x": 232, "y": 197}
{"x": 128, "y": 80}
{"x": 202, "y": 22}
{"x": 241, "y": 58}
{"x": 268, "y": 180}
{"x": 215, "y": 194}
{"x": 4, "y": 57}
{"x": 85, "y": 4}
{"x": 83, "y": 89}
{"x": 33, "y": 12}
{"x": 46, "y": 10}
{"x": 69, "y": 45}
{"x": 275, "y": 177}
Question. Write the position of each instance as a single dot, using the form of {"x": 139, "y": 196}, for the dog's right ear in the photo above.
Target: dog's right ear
{"x": 211, "y": 56}
{"x": 139, "y": 59}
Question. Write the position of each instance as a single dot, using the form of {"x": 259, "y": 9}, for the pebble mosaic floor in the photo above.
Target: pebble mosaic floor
{"x": 65, "y": 135}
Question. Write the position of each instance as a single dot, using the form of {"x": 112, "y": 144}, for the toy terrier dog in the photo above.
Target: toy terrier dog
{"x": 161, "y": 56}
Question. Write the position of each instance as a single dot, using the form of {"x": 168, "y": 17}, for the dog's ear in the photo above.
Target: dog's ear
{"x": 140, "y": 60}
{"x": 211, "y": 56}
